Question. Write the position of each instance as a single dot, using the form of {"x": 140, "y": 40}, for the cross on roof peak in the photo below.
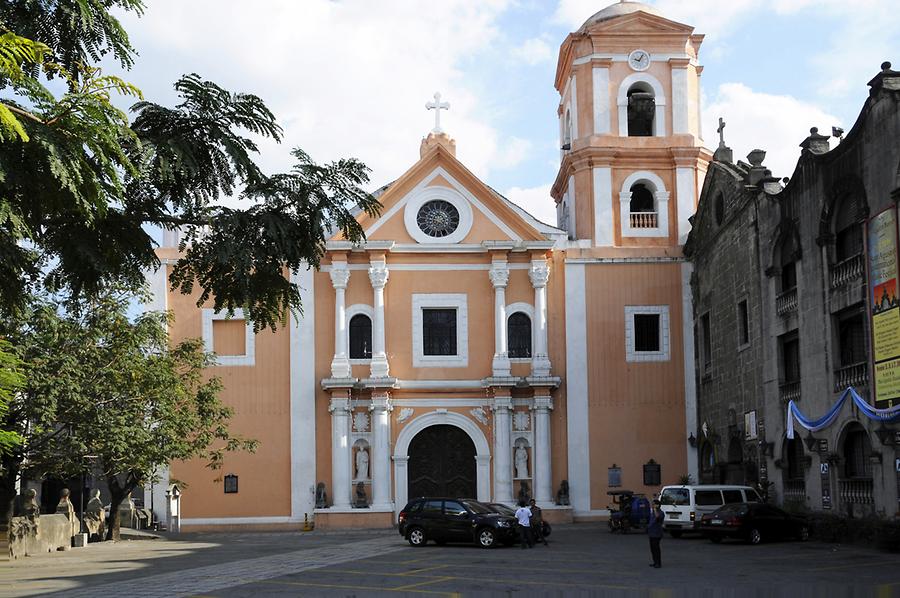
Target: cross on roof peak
{"x": 437, "y": 105}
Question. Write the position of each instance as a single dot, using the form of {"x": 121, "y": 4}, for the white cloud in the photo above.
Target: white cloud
{"x": 534, "y": 51}
{"x": 536, "y": 201}
{"x": 775, "y": 123}
{"x": 343, "y": 78}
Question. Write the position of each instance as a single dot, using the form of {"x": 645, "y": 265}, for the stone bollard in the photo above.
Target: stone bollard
{"x": 65, "y": 508}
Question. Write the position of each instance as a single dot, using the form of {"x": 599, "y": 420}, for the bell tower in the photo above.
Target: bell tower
{"x": 632, "y": 159}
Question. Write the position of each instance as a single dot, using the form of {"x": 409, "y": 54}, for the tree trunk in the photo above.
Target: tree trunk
{"x": 117, "y": 493}
{"x": 7, "y": 498}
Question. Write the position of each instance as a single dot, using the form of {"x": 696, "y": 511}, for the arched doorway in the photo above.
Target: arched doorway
{"x": 441, "y": 463}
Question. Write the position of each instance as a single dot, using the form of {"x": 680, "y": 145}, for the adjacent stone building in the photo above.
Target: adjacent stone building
{"x": 780, "y": 307}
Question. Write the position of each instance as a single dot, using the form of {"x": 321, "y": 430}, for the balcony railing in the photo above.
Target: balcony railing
{"x": 786, "y": 302}
{"x": 795, "y": 490}
{"x": 854, "y": 375}
{"x": 789, "y": 391}
{"x": 847, "y": 270}
{"x": 642, "y": 219}
{"x": 857, "y": 492}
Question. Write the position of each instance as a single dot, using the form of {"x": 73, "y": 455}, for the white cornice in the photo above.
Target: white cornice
{"x": 625, "y": 260}
{"x": 624, "y": 58}
{"x": 432, "y": 267}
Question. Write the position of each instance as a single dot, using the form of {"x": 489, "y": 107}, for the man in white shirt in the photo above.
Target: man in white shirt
{"x": 523, "y": 516}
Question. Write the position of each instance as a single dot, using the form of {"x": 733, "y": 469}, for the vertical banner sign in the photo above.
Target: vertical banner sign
{"x": 897, "y": 467}
{"x": 825, "y": 470}
{"x": 884, "y": 307}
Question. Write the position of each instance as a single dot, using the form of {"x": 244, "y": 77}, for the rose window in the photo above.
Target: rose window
{"x": 438, "y": 218}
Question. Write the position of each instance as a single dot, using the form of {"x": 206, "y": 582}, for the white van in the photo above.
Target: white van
{"x": 685, "y": 505}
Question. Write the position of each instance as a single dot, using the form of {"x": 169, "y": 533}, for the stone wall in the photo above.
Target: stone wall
{"x": 52, "y": 532}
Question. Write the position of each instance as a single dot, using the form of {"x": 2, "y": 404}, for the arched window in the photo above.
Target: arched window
{"x": 794, "y": 454}
{"x": 567, "y": 132}
{"x": 848, "y": 238}
{"x": 642, "y": 207}
{"x": 360, "y": 337}
{"x": 856, "y": 454}
{"x": 641, "y": 110}
{"x": 519, "y": 336}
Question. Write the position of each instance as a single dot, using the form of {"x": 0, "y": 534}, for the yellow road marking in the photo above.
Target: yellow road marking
{"x": 351, "y": 587}
{"x": 417, "y": 571}
{"x": 422, "y": 583}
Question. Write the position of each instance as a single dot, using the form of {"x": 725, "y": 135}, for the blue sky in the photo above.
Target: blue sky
{"x": 351, "y": 77}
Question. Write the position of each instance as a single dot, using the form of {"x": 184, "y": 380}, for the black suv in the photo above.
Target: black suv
{"x": 455, "y": 520}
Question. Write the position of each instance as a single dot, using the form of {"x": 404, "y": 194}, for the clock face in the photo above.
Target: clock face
{"x": 639, "y": 60}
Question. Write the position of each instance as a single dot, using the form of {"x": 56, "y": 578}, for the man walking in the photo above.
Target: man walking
{"x": 655, "y": 533}
{"x": 537, "y": 523}
{"x": 523, "y": 516}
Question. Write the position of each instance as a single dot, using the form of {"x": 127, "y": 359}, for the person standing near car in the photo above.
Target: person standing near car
{"x": 537, "y": 523}
{"x": 655, "y": 533}
{"x": 523, "y": 516}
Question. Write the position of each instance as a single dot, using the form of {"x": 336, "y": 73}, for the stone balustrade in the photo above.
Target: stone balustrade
{"x": 786, "y": 302}
{"x": 643, "y": 219}
{"x": 856, "y": 492}
{"x": 789, "y": 391}
{"x": 847, "y": 270}
{"x": 855, "y": 375}
{"x": 795, "y": 490}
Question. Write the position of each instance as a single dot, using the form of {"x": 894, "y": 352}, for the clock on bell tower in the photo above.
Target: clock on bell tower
{"x": 632, "y": 155}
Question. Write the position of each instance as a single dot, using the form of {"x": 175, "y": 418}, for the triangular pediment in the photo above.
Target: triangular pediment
{"x": 640, "y": 23}
{"x": 483, "y": 214}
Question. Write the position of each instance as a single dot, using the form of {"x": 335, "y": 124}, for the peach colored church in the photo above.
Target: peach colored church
{"x": 467, "y": 349}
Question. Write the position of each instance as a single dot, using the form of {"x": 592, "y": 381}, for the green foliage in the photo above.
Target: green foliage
{"x": 101, "y": 384}
{"x": 79, "y": 183}
{"x": 11, "y": 380}
{"x": 77, "y": 32}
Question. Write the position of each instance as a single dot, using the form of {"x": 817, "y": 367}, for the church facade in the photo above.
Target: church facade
{"x": 467, "y": 349}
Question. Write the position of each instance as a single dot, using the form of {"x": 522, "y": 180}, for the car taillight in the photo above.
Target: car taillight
{"x": 402, "y": 516}
{"x": 693, "y": 516}
{"x": 733, "y": 521}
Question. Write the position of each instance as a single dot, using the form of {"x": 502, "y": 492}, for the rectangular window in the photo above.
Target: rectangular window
{"x": 646, "y": 332}
{"x": 231, "y": 484}
{"x": 852, "y": 340}
{"x": 706, "y": 345}
{"x": 743, "y": 323}
{"x": 439, "y": 331}
{"x": 708, "y": 498}
{"x": 652, "y": 473}
{"x": 732, "y": 496}
{"x": 790, "y": 358}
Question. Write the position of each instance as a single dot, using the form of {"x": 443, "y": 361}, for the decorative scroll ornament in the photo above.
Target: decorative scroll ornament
{"x": 361, "y": 421}
{"x": 479, "y": 414}
{"x": 405, "y": 414}
{"x": 521, "y": 420}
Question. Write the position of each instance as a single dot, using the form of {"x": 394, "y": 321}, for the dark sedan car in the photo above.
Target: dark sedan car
{"x": 455, "y": 520}
{"x": 753, "y": 522}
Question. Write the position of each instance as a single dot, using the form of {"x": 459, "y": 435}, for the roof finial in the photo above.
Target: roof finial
{"x": 721, "y": 132}
{"x": 437, "y": 105}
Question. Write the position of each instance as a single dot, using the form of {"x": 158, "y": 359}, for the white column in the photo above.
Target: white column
{"x": 603, "y": 207}
{"x": 340, "y": 364}
{"x": 600, "y": 76}
{"x": 686, "y": 196}
{"x": 499, "y": 274}
{"x": 381, "y": 458}
{"x": 543, "y": 477}
{"x": 679, "y": 100}
{"x": 578, "y": 433}
{"x": 378, "y": 275}
{"x": 304, "y": 387}
{"x": 539, "y": 274}
{"x": 690, "y": 384}
{"x": 340, "y": 451}
{"x": 502, "y": 408}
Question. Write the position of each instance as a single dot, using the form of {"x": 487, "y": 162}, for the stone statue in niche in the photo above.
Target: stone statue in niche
{"x": 524, "y": 493}
{"x": 362, "y": 464}
{"x": 321, "y": 496}
{"x": 562, "y": 495}
{"x": 521, "y": 460}
{"x": 362, "y": 501}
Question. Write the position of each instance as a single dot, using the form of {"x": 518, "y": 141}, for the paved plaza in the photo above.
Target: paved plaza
{"x": 581, "y": 560}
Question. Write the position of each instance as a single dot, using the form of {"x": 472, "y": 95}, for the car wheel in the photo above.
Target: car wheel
{"x": 803, "y": 536}
{"x": 755, "y": 537}
{"x": 675, "y": 533}
{"x": 715, "y": 539}
{"x": 416, "y": 536}
{"x": 487, "y": 538}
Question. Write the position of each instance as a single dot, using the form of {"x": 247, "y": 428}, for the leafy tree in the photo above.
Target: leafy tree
{"x": 100, "y": 384}
{"x": 11, "y": 380}
{"x": 79, "y": 182}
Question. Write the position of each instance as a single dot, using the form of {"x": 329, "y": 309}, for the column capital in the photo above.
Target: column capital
{"x": 339, "y": 405}
{"x": 502, "y": 403}
{"x": 499, "y": 274}
{"x": 381, "y": 402}
{"x": 378, "y": 274}
{"x": 539, "y": 273}
{"x": 542, "y": 404}
{"x": 340, "y": 275}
